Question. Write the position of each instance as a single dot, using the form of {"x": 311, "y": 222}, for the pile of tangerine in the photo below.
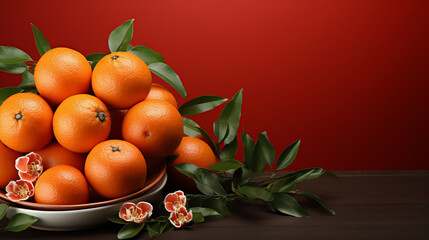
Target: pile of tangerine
{"x": 89, "y": 130}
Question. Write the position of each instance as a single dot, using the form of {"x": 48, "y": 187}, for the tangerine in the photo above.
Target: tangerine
{"x": 154, "y": 126}
{"x": 54, "y": 154}
{"x": 159, "y": 92}
{"x": 8, "y": 171}
{"x": 26, "y": 122}
{"x": 191, "y": 150}
{"x": 61, "y": 185}
{"x": 121, "y": 79}
{"x": 81, "y": 122}
{"x": 60, "y": 73}
{"x": 115, "y": 168}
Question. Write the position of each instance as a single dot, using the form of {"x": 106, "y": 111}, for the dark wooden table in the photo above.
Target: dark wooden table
{"x": 368, "y": 204}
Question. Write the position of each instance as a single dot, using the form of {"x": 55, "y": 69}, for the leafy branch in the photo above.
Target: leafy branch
{"x": 231, "y": 180}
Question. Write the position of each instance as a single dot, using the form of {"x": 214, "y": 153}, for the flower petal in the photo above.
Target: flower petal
{"x": 188, "y": 217}
{"x": 15, "y": 197}
{"x": 21, "y": 163}
{"x": 123, "y": 213}
{"x": 182, "y": 211}
{"x": 141, "y": 218}
{"x": 145, "y": 207}
{"x": 182, "y": 197}
{"x": 169, "y": 201}
{"x": 27, "y": 177}
{"x": 174, "y": 220}
{"x": 10, "y": 186}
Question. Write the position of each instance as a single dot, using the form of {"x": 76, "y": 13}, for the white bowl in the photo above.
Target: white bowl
{"x": 69, "y": 220}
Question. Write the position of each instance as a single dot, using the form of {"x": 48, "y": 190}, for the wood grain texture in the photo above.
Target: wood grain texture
{"x": 368, "y": 205}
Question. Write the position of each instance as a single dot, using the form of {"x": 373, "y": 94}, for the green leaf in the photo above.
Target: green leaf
{"x": 317, "y": 199}
{"x": 189, "y": 170}
{"x": 27, "y": 80}
{"x": 257, "y": 162}
{"x": 7, "y": 92}
{"x": 148, "y": 55}
{"x": 13, "y": 55}
{"x": 211, "y": 142}
{"x": 226, "y": 165}
{"x": 3, "y": 210}
{"x": 208, "y": 184}
{"x": 248, "y": 145}
{"x": 153, "y": 229}
{"x": 286, "y": 204}
{"x": 241, "y": 176}
{"x": 117, "y": 220}
{"x": 167, "y": 74}
{"x": 20, "y": 222}
{"x": 120, "y": 38}
{"x": 256, "y": 193}
{"x": 130, "y": 230}
{"x": 197, "y": 217}
{"x": 209, "y": 202}
{"x": 206, "y": 181}
{"x": 231, "y": 114}
{"x": 16, "y": 68}
{"x": 158, "y": 227}
{"x": 221, "y": 130}
{"x": 288, "y": 155}
{"x": 229, "y": 150}
{"x": 190, "y": 128}
{"x": 201, "y": 104}
{"x": 205, "y": 212}
{"x": 267, "y": 149}
{"x": 41, "y": 43}
{"x": 130, "y": 47}
{"x": 288, "y": 182}
{"x": 94, "y": 58}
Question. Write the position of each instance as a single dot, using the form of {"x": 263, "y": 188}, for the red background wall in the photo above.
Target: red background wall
{"x": 350, "y": 78}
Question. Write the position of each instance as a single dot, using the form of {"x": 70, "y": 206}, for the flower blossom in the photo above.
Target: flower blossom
{"x": 29, "y": 166}
{"x": 180, "y": 217}
{"x": 19, "y": 190}
{"x": 131, "y": 212}
{"x": 175, "y": 203}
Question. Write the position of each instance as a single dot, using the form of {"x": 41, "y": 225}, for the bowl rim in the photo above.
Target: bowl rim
{"x": 40, "y": 206}
{"x": 158, "y": 187}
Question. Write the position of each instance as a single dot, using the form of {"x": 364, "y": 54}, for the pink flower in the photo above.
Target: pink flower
{"x": 174, "y": 201}
{"x": 180, "y": 217}
{"x": 19, "y": 190}
{"x": 29, "y": 166}
{"x": 131, "y": 212}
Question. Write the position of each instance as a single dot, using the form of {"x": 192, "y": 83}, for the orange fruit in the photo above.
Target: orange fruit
{"x": 191, "y": 150}
{"x": 159, "y": 92}
{"x": 61, "y": 185}
{"x": 8, "y": 171}
{"x": 54, "y": 154}
{"x": 26, "y": 122}
{"x": 115, "y": 168}
{"x": 117, "y": 117}
{"x": 81, "y": 122}
{"x": 61, "y": 73}
{"x": 154, "y": 126}
{"x": 121, "y": 79}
